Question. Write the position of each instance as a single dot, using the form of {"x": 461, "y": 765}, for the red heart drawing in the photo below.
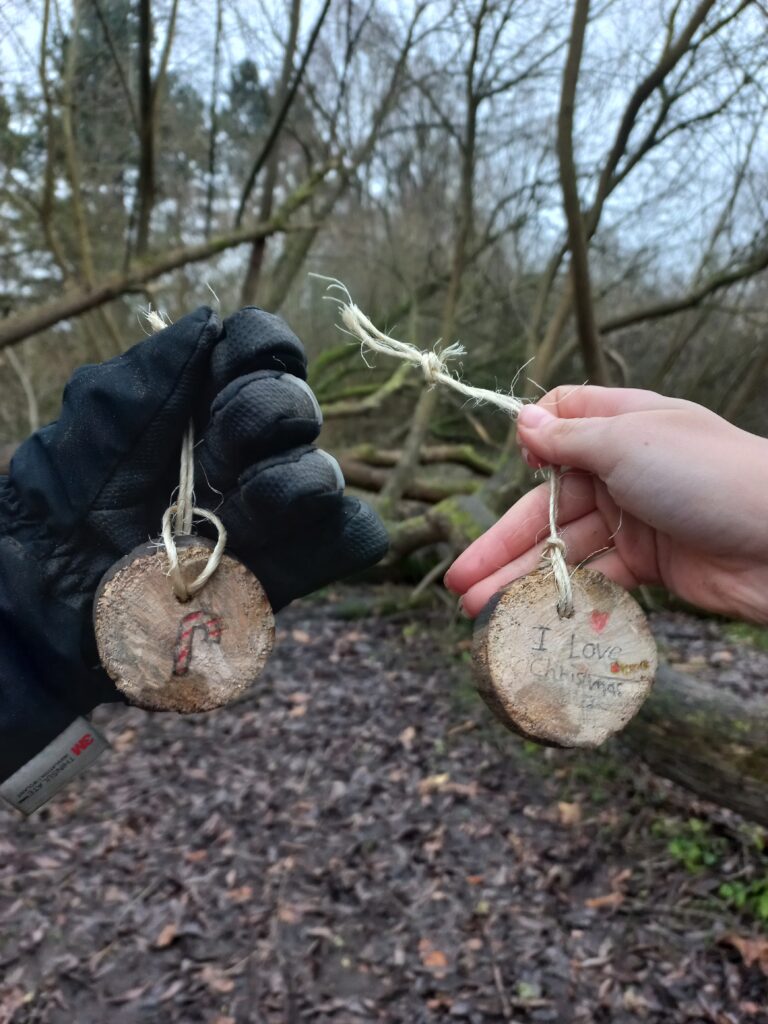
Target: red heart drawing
{"x": 599, "y": 621}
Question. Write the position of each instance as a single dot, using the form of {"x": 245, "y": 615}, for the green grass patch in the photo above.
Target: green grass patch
{"x": 739, "y": 859}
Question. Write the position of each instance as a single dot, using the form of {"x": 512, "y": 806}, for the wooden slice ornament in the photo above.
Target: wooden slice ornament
{"x": 564, "y": 681}
{"x": 180, "y": 625}
{"x": 165, "y": 654}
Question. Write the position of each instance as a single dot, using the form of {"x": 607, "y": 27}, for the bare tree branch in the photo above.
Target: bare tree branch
{"x": 281, "y": 113}
{"x": 149, "y": 92}
{"x": 213, "y": 120}
{"x": 694, "y": 298}
{"x": 118, "y": 64}
{"x": 24, "y": 325}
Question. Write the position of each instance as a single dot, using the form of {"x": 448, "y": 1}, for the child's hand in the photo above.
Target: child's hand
{"x": 678, "y": 495}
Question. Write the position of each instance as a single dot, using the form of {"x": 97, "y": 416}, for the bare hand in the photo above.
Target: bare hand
{"x": 677, "y": 495}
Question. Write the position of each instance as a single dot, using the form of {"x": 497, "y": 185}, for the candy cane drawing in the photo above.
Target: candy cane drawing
{"x": 211, "y": 626}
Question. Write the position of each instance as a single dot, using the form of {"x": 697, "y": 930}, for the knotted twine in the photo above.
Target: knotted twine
{"x": 178, "y": 518}
{"x": 434, "y": 367}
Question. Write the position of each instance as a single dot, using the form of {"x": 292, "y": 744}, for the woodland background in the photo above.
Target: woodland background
{"x": 576, "y": 191}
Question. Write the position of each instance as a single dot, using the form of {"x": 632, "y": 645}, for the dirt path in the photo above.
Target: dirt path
{"x": 360, "y": 843}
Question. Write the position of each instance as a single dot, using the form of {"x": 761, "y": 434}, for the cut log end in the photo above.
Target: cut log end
{"x": 165, "y": 655}
{"x": 565, "y": 682}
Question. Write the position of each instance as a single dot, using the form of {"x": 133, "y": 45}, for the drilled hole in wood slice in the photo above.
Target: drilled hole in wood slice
{"x": 166, "y": 655}
{"x": 564, "y": 682}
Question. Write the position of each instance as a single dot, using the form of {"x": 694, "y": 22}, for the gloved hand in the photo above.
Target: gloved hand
{"x": 87, "y": 489}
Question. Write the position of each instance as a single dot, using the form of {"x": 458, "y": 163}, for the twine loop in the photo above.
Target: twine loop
{"x": 178, "y": 522}
{"x": 178, "y": 518}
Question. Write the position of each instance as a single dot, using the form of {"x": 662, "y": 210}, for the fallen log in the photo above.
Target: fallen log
{"x": 457, "y": 521}
{"x": 707, "y": 739}
{"x": 431, "y": 454}
{"x": 369, "y": 478}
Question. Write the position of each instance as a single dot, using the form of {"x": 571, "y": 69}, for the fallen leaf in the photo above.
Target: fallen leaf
{"x": 433, "y": 782}
{"x": 462, "y": 788}
{"x": 47, "y": 863}
{"x": 407, "y": 736}
{"x": 288, "y": 914}
{"x": 166, "y": 936}
{"x": 173, "y": 990}
{"x": 569, "y": 814}
{"x": 634, "y": 1001}
{"x": 611, "y": 899}
{"x": 616, "y": 896}
{"x": 216, "y": 979}
{"x": 125, "y": 740}
{"x": 721, "y": 658}
{"x": 753, "y": 950}
{"x": 241, "y": 895}
{"x": 527, "y": 991}
{"x": 433, "y": 959}
{"x": 301, "y": 636}
{"x": 748, "y": 1007}
{"x": 130, "y": 995}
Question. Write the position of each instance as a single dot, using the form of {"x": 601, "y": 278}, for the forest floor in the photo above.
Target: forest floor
{"x": 360, "y": 842}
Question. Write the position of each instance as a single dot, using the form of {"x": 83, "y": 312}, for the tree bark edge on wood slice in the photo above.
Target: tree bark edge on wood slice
{"x": 569, "y": 682}
{"x": 169, "y": 655}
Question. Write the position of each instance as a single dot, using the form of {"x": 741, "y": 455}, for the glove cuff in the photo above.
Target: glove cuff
{"x": 44, "y": 687}
{"x": 65, "y": 757}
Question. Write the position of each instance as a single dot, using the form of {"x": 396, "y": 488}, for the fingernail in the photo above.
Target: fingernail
{"x": 464, "y": 611}
{"x": 527, "y": 457}
{"x": 532, "y": 416}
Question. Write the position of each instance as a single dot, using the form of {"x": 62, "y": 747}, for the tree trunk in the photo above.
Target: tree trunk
{"x": 74, "y": 302}
{"x": 213, "y": 119}
{"x": 594, "y": 358}
{"x": 707, "y": 739}
{"x": 402, "y": 475}
{"x": 146, "y": 186}
{"x": 258, "y": 249}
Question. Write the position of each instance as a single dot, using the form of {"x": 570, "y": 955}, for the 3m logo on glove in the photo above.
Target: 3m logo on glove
{"x": 82, "y": 744}
{"x": 210, "y": 626}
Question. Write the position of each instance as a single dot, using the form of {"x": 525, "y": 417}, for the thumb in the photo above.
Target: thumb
{"x": 580, "y": 442}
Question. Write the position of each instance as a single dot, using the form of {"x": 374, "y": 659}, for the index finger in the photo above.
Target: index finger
{"x": 570, "y": 401}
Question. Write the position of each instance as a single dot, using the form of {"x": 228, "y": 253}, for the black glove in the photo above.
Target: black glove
{"x": 86, "y": 490}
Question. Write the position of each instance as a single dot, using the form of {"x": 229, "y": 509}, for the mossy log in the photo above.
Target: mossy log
{"x": 457, "y": 521}
{"x": 707, "y": 739}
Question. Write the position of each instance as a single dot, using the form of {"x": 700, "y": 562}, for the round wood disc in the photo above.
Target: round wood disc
{"x": 169, "y": 655}
{"x": 564, "y": 682}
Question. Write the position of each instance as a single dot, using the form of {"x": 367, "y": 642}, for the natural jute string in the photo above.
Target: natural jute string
{"x": 178, "y": 517}
{"x": 434, "y": 367}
